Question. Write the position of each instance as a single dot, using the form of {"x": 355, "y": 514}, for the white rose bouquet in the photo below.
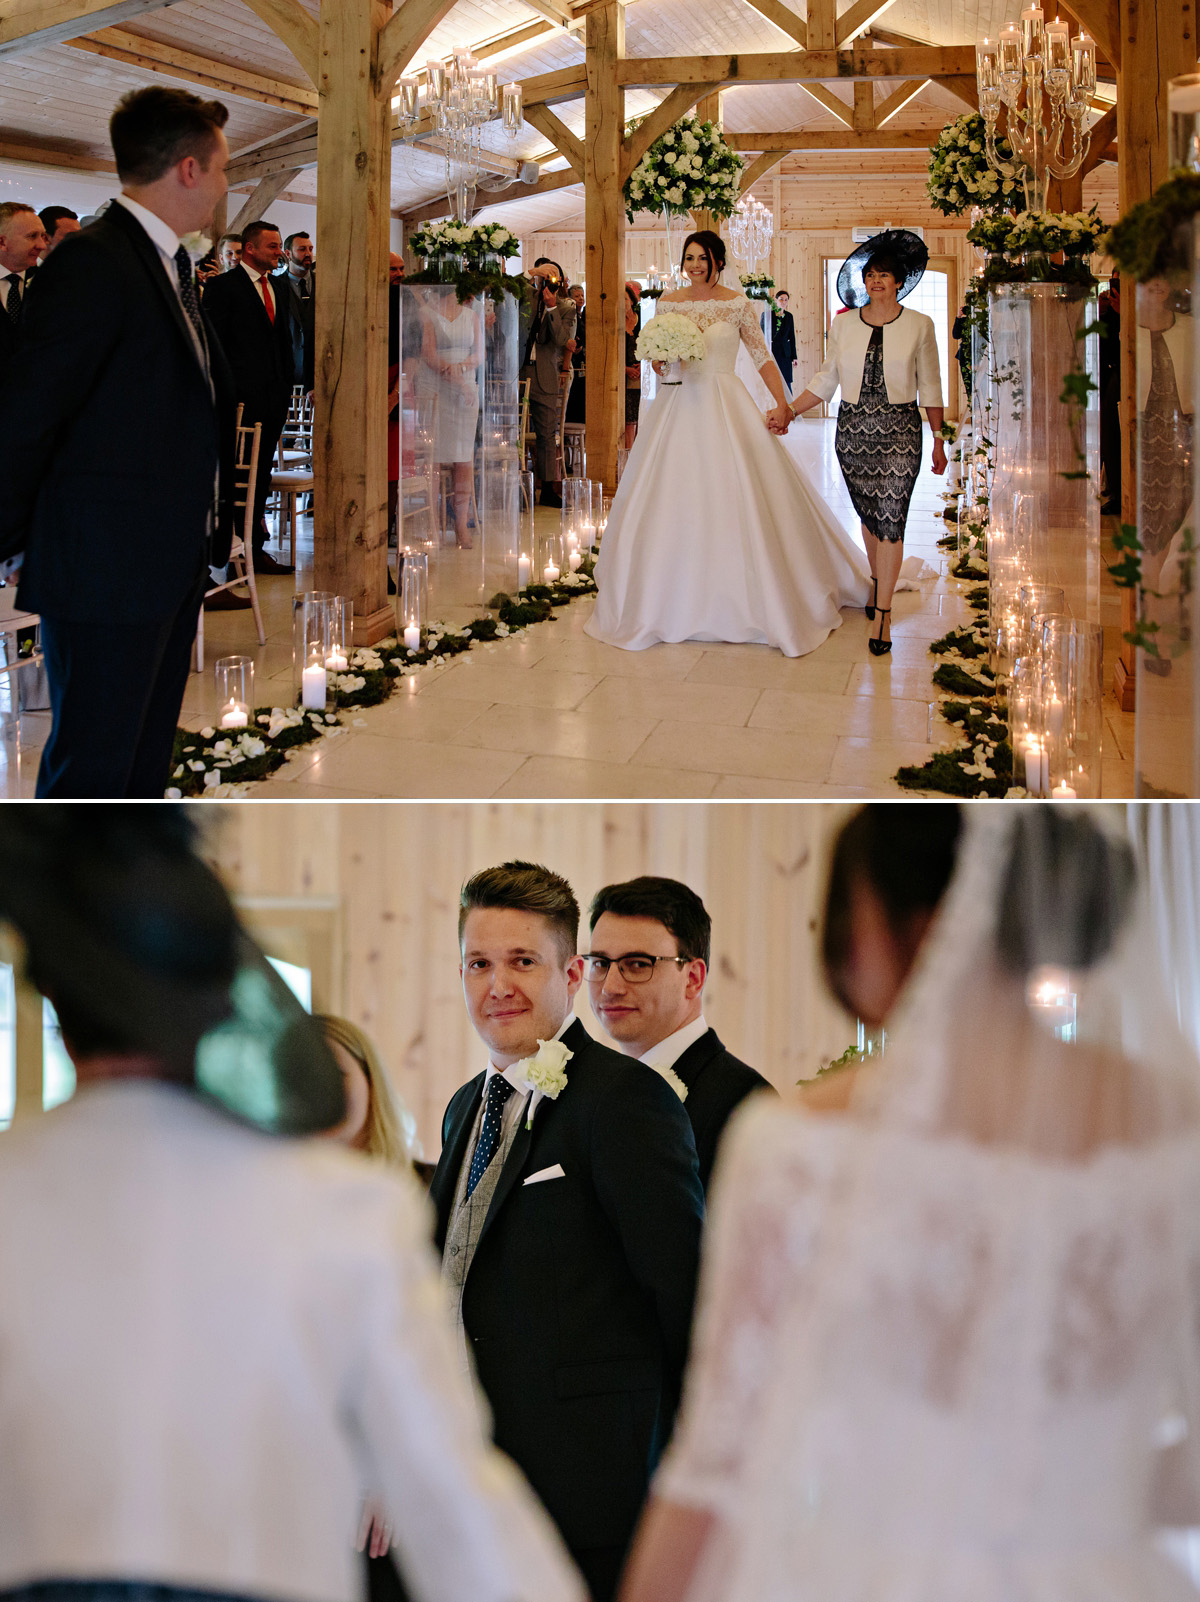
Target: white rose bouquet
{"x": 690, "y": 168}
{"x": 959, "y": 174}
{"x": 670, "y": 337}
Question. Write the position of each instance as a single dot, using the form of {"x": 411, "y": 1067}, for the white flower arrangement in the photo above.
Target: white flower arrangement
{"x": 544, "y": 1073}
{"x": 197, "y": 244}
{"x": 690, "y": 168}
{"x": 472, "y": 240}
{"x": 673, "y": 1079}
{"x": 670, "y": 337}
{"x": 959, "y": 174}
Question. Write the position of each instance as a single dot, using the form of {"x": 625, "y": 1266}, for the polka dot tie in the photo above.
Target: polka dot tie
{"x": 486, "y": 1147}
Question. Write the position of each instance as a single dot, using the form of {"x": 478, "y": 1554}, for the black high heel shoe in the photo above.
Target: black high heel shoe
{"x": 880, "y": 646}
{"x": 870, "y": 610}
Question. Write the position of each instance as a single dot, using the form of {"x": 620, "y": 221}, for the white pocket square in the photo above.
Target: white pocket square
{"x": 546, "y": 1173}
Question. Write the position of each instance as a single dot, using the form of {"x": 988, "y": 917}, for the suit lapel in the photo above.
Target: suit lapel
{"x": 518, "y": 1153}
{"x": 445, "y": 1181}
{"x": 696, "y": 1058}
{"x": 147, "y": 251}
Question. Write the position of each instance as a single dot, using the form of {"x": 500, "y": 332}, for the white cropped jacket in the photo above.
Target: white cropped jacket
{"x": 910, "y": 359}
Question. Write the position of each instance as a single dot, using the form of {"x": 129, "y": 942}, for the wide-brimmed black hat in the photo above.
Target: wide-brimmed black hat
{"x": 902, "y": 245}
{"x": 135, "y": 941}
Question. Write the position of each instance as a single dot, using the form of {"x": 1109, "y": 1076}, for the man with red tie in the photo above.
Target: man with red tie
{"x": 253, "y": 323}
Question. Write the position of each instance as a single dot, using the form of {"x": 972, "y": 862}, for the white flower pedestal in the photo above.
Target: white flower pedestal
{"x": 1045, "y": 524}
{"x": 460, "y": 456}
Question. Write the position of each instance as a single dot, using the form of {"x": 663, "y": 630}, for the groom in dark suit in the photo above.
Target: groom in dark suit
{"x": 646, "y": 969}
{"x": 569, "y": 1213}
{"x": 116, "y": 411}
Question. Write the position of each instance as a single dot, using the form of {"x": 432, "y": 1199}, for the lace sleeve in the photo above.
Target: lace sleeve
{"x": 752, "y": 335}
{"x": 772, "y": 1178}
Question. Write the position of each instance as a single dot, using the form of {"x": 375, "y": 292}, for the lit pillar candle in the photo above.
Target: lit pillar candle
{"x": 336, "y": 662}
{"x": 575, "y": 560}
{"x": 1010, "y": 51}
{"x": 1063, "y": 792}
{"x": 412, "y": 637}
{"x": 234, "y": 716}
{"x": 1058, "y": 46}
{"x": 1033, "y": 26}
{"x": 550, "y": 573}
{"x": 524, "y": 571}
{"x": 312, "y": 687}
{"x": 985, "y": 64}
{"x": 1083, "y": 64}
{"x": 1054, "y": 717}
{"x": 1034, "y": 757}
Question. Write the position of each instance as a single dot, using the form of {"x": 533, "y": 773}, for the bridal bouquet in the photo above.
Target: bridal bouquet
{"x": 670, "y": 337}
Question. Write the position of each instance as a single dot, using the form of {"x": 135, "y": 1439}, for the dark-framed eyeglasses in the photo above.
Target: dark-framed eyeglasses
{"x": 635, "y": 967}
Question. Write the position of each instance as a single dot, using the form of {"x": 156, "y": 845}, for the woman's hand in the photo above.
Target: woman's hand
{"x": 779, "y": 418}
{"x": 659, "y": 367}
{"x": 374, "y": 1531}
{"x": 939, "y": 455}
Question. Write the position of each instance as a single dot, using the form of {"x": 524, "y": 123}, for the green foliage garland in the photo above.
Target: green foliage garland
{"x": 1145, "y": 243}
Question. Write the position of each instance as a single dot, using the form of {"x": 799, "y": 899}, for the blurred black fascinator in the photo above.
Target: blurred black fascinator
{"x": 898, "y": 250}
{"x": 136, "y": 943}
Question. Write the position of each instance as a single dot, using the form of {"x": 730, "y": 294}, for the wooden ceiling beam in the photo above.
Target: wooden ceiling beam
{"x": 801, "y": 66}
{"x": 293, "y": 27}
{"x": 560, "y": 136}
{"x": 668, "y": 112}
{"x": 759, "y": 168}
{"x": 897, "y": 100}
{"x": 784, "y": 19}
{"x": 548, "y": 88}
{"x": 152, "y": 55}
{"x": 265, "y": 191}
{"x": 858, "y": 18}
{"x": 430, "y": 210}
{"x": 30, "y": 24}
{"x": 836, "y": 139}
{"x": 403, "y": 34}
{"x": 965, "y": 89}
{"x": 1102, "y": 20}
{"x": 40, "y": 155}
{"x": 1101, "y": 147}
{"x": 864, "y": 106}
{"x": 826, "y": 97}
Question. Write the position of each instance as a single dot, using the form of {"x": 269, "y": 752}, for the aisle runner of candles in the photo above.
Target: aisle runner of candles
{"x": 1025, "y": 678}
{"x": 249, "y": 743}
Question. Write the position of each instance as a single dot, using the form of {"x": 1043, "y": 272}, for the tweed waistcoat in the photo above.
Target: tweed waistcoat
{"x": 469, "y": 1212}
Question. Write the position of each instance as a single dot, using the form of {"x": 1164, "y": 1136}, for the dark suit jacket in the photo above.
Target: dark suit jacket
{"x": 716, "y": 1083}
{"x": 259, "y": 350}
{"x": 303, "y": 325}
{"x": 578, "y": 1303}
{"x": 783, "y": 342}
{"x": 110, "y": 435}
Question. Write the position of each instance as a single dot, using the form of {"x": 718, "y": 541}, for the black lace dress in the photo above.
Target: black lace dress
{"x": 879, "y": 447}
{"x": 1165, "y": 444}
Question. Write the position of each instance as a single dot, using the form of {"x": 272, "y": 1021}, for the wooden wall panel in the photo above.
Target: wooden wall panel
{"x": 394, "y": 873}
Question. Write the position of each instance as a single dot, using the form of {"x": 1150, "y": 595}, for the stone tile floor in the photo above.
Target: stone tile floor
{"x": 555, "y": 714}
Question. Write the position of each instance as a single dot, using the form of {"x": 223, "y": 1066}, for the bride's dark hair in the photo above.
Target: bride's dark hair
{"x": 713, "y": 247}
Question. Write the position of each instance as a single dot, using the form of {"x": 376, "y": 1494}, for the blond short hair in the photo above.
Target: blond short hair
{"x": 391, "y": 1128}
{"x": 10, "y": 209}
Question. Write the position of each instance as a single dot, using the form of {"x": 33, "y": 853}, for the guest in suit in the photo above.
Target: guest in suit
{"x": 569, "y": 1219}
{"x": 646, "y": 970}
{"x": 229, "y": 251}
{"x": 551, "y": 323}
{"x": 783, "y": 339}
{"x": 22, "y": 244}
{"x": 253, "y": 320}
{"x": 299, "y": 276}
{"x": 215, "y": 1334}
{"x": 117, "y": 408}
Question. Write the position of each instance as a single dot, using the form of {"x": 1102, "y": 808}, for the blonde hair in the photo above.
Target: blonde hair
{"x": 391, "y": 1128}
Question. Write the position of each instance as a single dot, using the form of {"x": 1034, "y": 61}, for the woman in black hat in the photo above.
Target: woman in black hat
{"x": 881, "y": 360}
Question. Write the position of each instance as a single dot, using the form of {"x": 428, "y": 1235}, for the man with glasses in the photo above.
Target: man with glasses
{"x": 646, "y": 970}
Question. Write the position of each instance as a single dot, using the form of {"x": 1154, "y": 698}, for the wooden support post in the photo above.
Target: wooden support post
{"x": 707, "y": 110}
{"x": 1157, "y": 43}
{"x": 220, "y": 221}
{"x": 822, "y": 24}
{"x": 864, "y": 106}
{"x": 604, "y": 229}
{"x": 353, "y": 187}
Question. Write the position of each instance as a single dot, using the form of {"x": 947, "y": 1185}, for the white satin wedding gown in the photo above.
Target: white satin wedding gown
{"x": 715, "y": 532}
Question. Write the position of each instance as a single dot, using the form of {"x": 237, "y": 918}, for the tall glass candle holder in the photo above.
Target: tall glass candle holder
{"x": 526, "y": 543}
{"x": 310, "y": 648}
{"x": 341, "y": 633}
{"x": 550, "y": 559}
{"x": 235, "y": 691}
{"x": 413, "y": 601}
{"x": 1035, "y": 603}
{"x": 1073, "y": 676}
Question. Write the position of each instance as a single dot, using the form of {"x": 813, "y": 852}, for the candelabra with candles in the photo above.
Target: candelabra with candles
{"x": 751, "y": 229}
{"x": 461, "y": 97}
{"x": 1045, "y": 79}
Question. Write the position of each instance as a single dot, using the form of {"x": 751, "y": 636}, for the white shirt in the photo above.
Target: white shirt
{"x": 515, "y": 1105}
{"x": 210, "y": 1340}
{"x": 668, "y": 1052}
{"x": 257, "y": 278}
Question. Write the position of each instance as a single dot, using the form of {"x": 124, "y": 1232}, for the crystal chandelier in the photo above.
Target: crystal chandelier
{"x": 461, "y": 97}
{"x": 751, "y": 229}
{"x": 1047, "y": 129}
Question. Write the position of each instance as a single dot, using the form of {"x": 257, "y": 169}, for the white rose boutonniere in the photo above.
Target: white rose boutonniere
{"x": 545, "y": 1073}
{"x": 673, "y": 1079}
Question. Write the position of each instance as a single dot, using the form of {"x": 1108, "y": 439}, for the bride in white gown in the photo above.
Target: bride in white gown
{"x": 948, "y": 1344}
{"x": 715, "y": 532}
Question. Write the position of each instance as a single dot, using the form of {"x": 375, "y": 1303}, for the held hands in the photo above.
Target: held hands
{"x": 779, "y": 418}
{"x": 374, "y": 1532}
